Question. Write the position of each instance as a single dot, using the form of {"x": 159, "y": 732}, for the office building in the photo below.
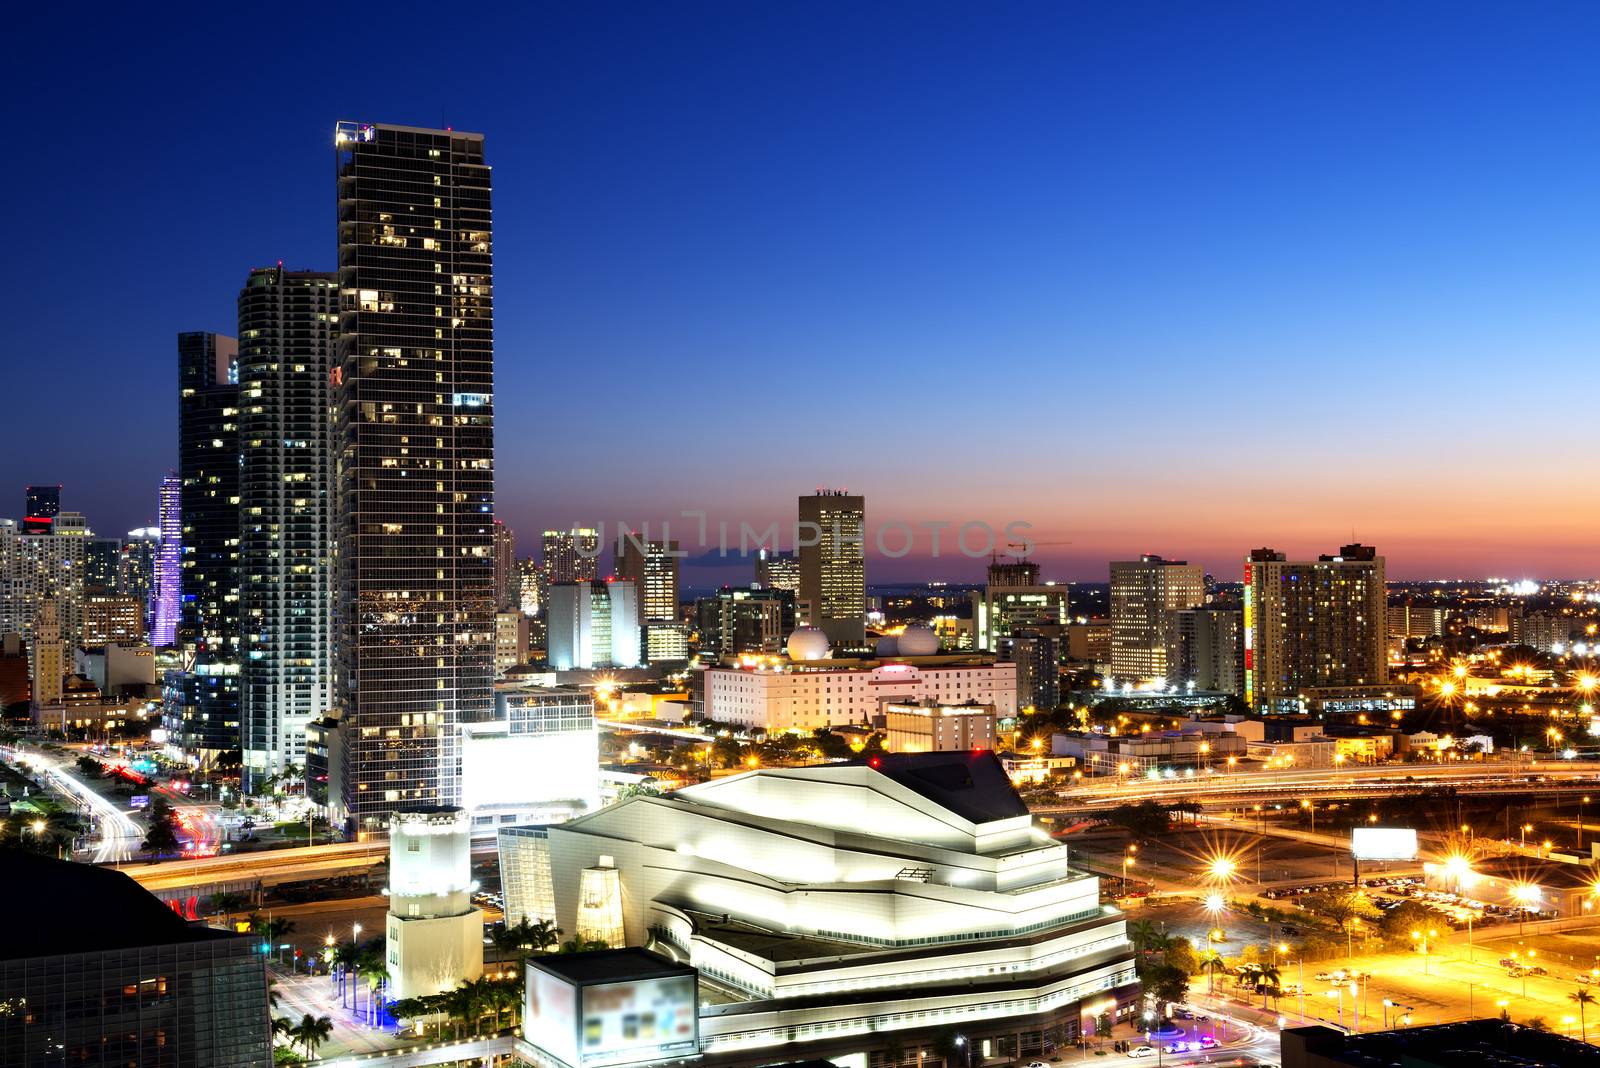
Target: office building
{"x": 810, "y": 692}
{"x": 1144, "y": 595}
{"x": 1313, "y": 625}
{"x": 510, "y": 641}
{"x": 208, "y": 464}
{"x": 434, "y": 934}
{"x": 664, "y": 643}
{"x": 125, "y": 981}
{"x": 1089, "y": 641}
{"x": 112, "y": 619}
{"x": 166, "y": 598}
{"x": 1210, "y": 648}
{"x": 592, "y": 625}
{"x": 551, "y": 729}
{"x": 41, "y": 505}
{"x": 1014, "y": 599}
{"x": 507, "y": 579}
{"x": 1038, "y": 659}
{"x": 413, "y": 392}
{"x": 929, "y": 726}
{"x": 831, "y": 912}
{"x": 744, "y": 621}
{"x": 571, "y": 555}
{"x": 287, "y": 322}
{"x": 652, "y": 567}
{"x": 833, "y": 570}
{"x": 778, "y": 571}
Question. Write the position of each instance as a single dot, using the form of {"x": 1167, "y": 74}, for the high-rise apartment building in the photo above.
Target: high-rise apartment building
{"x": 1038, "y": 660}
{"x": 414, "y": 445}
{"x": 136, "y": 568}
{"x": 652, "y": 567}
{"x": 507, "y": 580}
{"x": 530, "y": 586}
{"x": 287, "y": 324}
{"x": 1210, "y": 648}
{"x": 1313, "y": 625}
{"x": 833, "y": 568}
{"x": 101, "y": 563}
{"x": 41, "y": 505}
{"x": 166, "y": 599}
{"x": 208, "y": 465}
{"x": 778, "y": 571}
{"x": 112, "y": 619}
{"x": 571, "y": 555}
{"x": 738, "y": 621}
{"x": 35, "y": 568}
{"x": 1144, "y": 595}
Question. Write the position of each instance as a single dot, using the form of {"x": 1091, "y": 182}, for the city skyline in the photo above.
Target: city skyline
{"x": 1371, "y": 230}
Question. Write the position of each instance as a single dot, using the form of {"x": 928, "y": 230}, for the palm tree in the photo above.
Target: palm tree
{"x": 371, "y": 968}
{"x": 1211, "y": 963}
{"x": 1140, "y": 933}
{"x": 1270, "y": 981}
{"x": 345, "y": 957}
{"x": 273, "y": 997}
{"x": 1583, "y": 999}
{"x": 311, "y": 1032}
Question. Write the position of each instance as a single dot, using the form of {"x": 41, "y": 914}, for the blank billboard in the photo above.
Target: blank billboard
{"x": 1383, "y": 843}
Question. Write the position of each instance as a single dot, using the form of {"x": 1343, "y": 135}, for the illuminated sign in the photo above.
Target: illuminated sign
{"x": 1383, "y": 843}
{"x": 345, "y": 132}
{"x": 638, "y": 1021}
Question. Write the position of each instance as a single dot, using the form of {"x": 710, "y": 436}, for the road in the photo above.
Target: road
{"x": 117, "y": 833}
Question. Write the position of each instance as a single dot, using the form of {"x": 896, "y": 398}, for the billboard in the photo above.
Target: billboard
{"x": 550, "y": 1015}
{"x": 1383, "y": 843}
{"x": 641, "y": 1020}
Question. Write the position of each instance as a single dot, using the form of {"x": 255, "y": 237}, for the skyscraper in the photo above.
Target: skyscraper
{"x": 35, "y": 568}
{"x": 1145, "y": 594}
{"x": 507, "y": 580}
{"x": 1013, "y": 599}
{"x": 652, "y": 567}
{"x": 1313, "y": 625}
{"x": 208, "y": 464}
{"x": 166, "y": 582}
{"x": 136, "y": 569}
{"x": 287, "y": 324}
{"x": 593, "y": 625}
{"x": 571, "y": 555}
{"x": 414, "y": 446}
{"x": 41, "y": 505}
{"x": 833, "y": 568}
{"x": 1210, "y": 648}
{"x": 777, "y": 571}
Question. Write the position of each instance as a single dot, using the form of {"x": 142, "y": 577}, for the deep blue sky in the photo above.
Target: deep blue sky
{"x": 1183, "y": 278}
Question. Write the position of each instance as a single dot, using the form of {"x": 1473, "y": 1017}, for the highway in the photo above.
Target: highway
{"x": 1247, "y": 787}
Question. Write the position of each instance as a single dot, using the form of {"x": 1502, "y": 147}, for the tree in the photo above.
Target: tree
{"x": 1398, "y": 923}
{"x": 583, "y": 945}
{"x": 1269, "y": 982}
{"x": 1583, "y": 999}
{"x": 1211, "y": 963}
{"x": 1344, "y": 907}
{"x": 162, "y": 838}
{"x": 227, "y": 903}
{"x": 1143, "y": 821}
{"x": 311, "y": 1032}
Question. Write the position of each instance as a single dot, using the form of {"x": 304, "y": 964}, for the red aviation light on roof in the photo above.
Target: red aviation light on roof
{"x": 874, "y": 762}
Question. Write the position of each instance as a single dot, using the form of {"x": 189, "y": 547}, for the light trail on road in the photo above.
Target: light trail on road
{"x": 119, "y": 834}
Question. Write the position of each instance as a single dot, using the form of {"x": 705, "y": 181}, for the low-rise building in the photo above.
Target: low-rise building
{"x": 933, "y": 727}
{"x": 1150, "y": 752}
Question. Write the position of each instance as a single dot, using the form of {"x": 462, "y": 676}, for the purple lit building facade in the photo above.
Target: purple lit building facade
{"x": 164, "y": 595}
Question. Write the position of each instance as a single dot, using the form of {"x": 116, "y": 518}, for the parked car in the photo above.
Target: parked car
{"x": 1142, "y": 1051}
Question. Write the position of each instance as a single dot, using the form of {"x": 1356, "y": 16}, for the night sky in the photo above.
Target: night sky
{"x": 1166, "y": 277}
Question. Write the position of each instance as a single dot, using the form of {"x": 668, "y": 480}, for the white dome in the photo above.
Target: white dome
{"x": 886, "y": 646}
{"x": 918, "y": 639}
{"x": 808, "y": 643}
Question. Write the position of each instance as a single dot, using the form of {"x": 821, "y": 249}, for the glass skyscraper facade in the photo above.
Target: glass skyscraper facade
{"x": 287, "y": 325}
{"x": 208, "y": 465}
{"x": 413, "y": 385}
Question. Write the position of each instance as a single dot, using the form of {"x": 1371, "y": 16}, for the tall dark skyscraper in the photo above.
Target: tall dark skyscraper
{"x": 833, "y": 567}
{"x": 287, "y": 324}
{"x": 42, "y": 505}
{"x": 414, "y": 446}
{"x": 208, "y": 465}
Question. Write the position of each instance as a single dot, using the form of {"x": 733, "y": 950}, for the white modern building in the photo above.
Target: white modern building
{"x": 937, "y": 727}
{"x": 804, "y": 694}
{"x": 836, "y": 910}
{"x": 593, "y": 625}
{"x": 434, "y": 935}
{"x": 537, "y": 761}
